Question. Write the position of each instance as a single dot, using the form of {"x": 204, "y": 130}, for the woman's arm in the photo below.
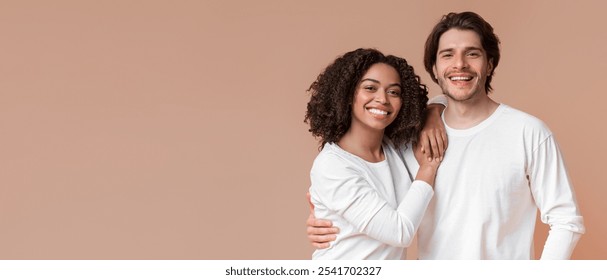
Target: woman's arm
{"x": 344, "y": 191}
{"x": 433, "y": 137}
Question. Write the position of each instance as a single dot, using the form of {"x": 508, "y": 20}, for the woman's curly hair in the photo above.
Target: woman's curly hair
{"x": 330, "y": 108}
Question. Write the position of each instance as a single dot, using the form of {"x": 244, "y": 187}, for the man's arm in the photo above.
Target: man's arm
{"x": 320, "y": 232}
{"x": 555, "y": 198}
{"x": 560, "y": 244}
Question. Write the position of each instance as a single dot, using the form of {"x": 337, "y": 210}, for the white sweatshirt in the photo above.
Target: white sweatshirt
{"x": 375, "y": 205}
{"x": 494, "y": 178}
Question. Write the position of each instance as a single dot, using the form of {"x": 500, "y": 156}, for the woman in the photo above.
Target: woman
{"x": 365, "y": 107}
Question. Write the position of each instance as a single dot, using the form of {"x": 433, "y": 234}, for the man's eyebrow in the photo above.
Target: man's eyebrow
{"x": 474, "y": 49}
{"x": 445, "y": 50}
{"x": 465, "y": 49}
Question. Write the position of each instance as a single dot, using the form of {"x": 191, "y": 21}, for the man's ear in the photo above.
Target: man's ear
{"x": 435, "y": 72}
{"x": 490, "y": 67}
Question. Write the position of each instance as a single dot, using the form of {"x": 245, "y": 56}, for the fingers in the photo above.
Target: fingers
{"x": 313, "y": 222}
{"x": 320, "y": 227}
{"x": 321, "y": 241}
{"x": 441, "y": 139}
{"x": 445, "y": 139}
{"x": 320, "y": 232}
{"x": 325, "y": 230}
{"x": 434, "y": 146}
{"x": 321, "y": 237}
{"x": 429, "y": 144}
{"x": 440, "y": 147}
{"x": 320, "y": 245}
{"x": 422, "y": 142}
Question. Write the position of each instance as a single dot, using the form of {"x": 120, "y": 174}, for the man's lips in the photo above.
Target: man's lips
{"x": 460, "y": 78}
{"x": 456, "y": 77}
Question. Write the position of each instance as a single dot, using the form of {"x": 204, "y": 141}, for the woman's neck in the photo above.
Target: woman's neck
{"x": 364, "y": 144}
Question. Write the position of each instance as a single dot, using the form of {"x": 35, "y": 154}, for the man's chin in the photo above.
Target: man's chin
{"x": 460, "y": 97}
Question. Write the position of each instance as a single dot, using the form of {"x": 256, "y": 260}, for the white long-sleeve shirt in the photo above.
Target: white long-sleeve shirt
{"x": 375, "y": 205}
{"x": 493, "y": 179}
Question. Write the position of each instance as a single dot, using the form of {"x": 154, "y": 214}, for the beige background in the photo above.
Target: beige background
{"x": 174, "y": 129}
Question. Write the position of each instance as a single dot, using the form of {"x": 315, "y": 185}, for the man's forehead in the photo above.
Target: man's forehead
{"x": 460, "y": 39}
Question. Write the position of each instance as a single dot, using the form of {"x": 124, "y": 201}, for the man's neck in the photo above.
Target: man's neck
{"x": 468, "y": 113}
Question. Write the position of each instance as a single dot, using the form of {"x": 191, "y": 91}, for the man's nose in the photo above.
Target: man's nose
{"x": 460, "y": 62}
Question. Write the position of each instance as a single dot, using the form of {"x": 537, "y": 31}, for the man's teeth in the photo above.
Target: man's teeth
{"x": 460, "y": 78}
{"x": 377, "y": 111}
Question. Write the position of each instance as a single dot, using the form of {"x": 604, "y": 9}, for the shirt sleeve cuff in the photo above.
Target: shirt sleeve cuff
{"x": 439, "y": 99}
{"x": 423, "y": 187}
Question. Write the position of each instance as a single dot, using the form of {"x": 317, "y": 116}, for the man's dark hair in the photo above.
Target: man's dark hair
{"x": 463, "y": 21}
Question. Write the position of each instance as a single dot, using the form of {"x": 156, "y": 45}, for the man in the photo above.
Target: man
{"x": 502, "y": 165}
